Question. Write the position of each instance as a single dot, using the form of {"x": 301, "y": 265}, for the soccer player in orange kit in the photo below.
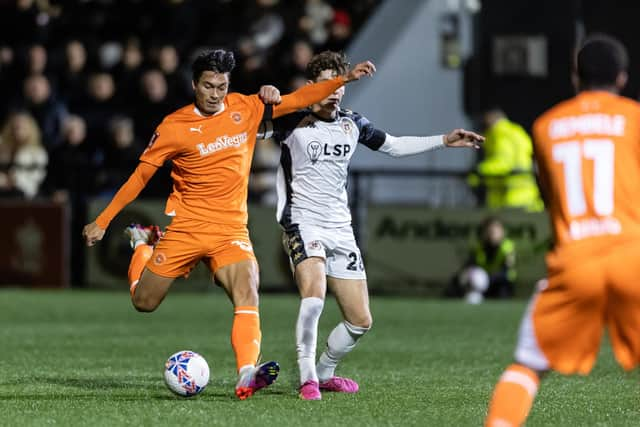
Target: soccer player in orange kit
{"x": 588, "y": 154}
{"x": 211, "y": 144}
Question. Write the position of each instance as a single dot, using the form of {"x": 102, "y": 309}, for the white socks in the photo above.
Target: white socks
{"x": 307, "y": 337}
{"x": 341, "y": 341}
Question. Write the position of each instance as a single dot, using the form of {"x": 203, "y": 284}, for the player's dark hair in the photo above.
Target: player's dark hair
{"x": 327, "y": 60}
{"x": 218, "y": 61}
{"x": 600, "y": 60}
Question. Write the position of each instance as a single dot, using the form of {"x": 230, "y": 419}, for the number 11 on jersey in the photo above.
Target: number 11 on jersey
{"x": 571, "y": 154}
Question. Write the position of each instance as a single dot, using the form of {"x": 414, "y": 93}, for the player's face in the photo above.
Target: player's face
{"x": 210, "y": 91}
{"x": 330, "y": 104}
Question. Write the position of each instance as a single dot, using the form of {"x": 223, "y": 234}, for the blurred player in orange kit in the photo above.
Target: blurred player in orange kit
{"x": 588, "y": 154}
{"x": 211, "y": 144}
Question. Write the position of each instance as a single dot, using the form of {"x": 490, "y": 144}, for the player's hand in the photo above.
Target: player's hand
{"x": 270, "y": 95}
{"x": 365, "y": 68}
{"x": 463, "y": 138}
{"x": 92, "y": 233}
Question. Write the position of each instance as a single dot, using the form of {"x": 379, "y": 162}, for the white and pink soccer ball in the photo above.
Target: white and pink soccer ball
{"x": 186, "y": 373}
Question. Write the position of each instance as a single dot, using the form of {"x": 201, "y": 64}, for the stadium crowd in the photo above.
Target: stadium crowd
{"x": 85, "y": 83}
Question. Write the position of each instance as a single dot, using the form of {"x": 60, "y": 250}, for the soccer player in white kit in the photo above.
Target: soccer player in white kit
{"x": 317, "y": 145}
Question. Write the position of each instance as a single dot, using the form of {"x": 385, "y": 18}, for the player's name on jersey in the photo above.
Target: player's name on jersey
{"x": 591, "y": 227}
{"x": 587, "y": 124}
{"x": 221, "y": 143}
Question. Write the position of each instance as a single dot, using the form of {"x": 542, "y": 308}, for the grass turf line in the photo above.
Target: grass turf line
{"x": 87, "y": 358}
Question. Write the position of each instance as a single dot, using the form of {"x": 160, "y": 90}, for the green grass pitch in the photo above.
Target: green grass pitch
{"x": 72, "y": 358}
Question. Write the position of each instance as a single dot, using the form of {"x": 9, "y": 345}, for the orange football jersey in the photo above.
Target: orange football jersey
{"x": 211, "y": 156}
{"x": 588, "y": 154}
{"x": 211, "y": 159}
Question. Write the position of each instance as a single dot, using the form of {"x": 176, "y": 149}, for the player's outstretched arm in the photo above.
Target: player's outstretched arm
{"x": 316, "y": 92}
{"x": 94, "y": 232}
{"x": 399, "y": 146}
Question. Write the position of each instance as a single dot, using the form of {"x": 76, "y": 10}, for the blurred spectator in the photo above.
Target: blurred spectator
{"x": 71, "y": 179}
{"x": 98, "y": 107}
{"x": 36, "y": 60}
{"x": 48, "y": 111}
{"x": 23, "y": 159}
{"x": 301, "y": 54}
{"x": 315, "y": 22}
{"x": 153, "y": 105}
{"x": 292, "y": 72}
{"x": 340, "y": 31}
{"x": 506, "y": 171}
{"x": 178, "y": 82}
{"x": 73, "y": 79}
{"x": 250, "y": 73}
{"x": 120, "y": 155}
{"x": 109, "y": 54}
{"x": 129, "y": 70}
{"x": 266, "y": 30}
{"x": 490, "y": 269}
{"x": 72, "y": 165}
{"x": 268, "y": 25}
{"x": 9, "y": 74}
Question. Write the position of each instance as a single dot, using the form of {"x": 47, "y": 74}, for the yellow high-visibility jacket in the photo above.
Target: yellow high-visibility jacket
{"x": 507, "y": 168}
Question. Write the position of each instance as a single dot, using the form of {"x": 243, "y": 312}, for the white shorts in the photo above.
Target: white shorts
{"x": 337, "y": 246}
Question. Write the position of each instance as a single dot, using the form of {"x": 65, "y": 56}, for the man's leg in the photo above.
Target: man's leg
{"x": 150, "y": 291}
{"x": 560, "y": 330}
{"x": 240, "y": 281}
{"x": 513, "y": 396}
{"x": 147, "y": 288}
{"x": 310, "y": 277}
{"x": 353, "y": 298}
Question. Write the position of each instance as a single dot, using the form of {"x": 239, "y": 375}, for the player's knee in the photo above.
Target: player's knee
{"x": 144, "y": 304}
{"x": 362, "y": 322}
{"x": 245, "y": 293}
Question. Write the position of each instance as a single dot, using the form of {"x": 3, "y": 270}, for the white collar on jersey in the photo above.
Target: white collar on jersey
{"x": 195, "y": 110}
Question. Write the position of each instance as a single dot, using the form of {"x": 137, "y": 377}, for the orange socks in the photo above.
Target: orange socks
{"x": 141, "y": 255}
{"x": 512, "y": 397}
{"x": 246, "y": 336}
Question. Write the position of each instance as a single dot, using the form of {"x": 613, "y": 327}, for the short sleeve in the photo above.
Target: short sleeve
{"x": 369, "y": 135}
{"x": 162, "y": 146}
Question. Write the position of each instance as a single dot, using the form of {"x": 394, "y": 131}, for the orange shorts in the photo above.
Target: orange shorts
{"x": 187, "y": 241}
{"x": 564, "y": 323}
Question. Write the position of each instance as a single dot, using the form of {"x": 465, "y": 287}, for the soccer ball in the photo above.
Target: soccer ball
{"x": 186, "y": 373}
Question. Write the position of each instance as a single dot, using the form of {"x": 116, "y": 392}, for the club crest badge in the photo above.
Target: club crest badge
{"x": 159, "y": 258}
{"x": 236, "y": 117}
{"x": 314, "y": 149}
{"x": 346, "y": 125}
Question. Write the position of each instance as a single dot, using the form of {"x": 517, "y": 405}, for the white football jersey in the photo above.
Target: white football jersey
{"x": 314, "y": 163}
